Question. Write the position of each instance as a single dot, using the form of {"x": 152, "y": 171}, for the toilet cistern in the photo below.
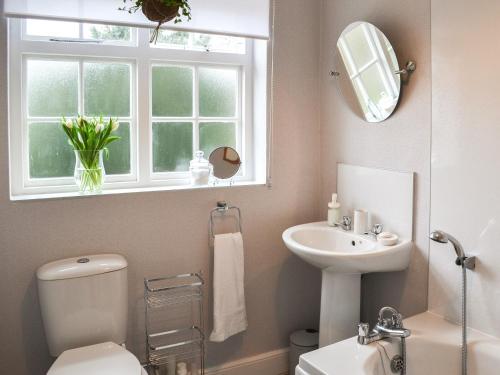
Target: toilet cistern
{"x": 84, "y": 307}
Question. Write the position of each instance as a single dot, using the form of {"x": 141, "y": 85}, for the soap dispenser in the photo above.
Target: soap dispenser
{"x": 334, "y": 215}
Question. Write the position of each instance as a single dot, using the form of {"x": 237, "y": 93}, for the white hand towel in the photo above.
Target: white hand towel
{"x": 230, "y": 315}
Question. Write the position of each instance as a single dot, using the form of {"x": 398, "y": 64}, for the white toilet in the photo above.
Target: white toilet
{"x": 84, "y": 304}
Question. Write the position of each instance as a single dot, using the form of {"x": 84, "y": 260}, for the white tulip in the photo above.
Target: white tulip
{"x": 99, "y": 126}
{"x": 114, "y": 125}
{"x": 79, "y": 121}
{"x": 68, "y": 124}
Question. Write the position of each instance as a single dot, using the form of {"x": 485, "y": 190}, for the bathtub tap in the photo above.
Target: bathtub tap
{"x": 385, "y": 327}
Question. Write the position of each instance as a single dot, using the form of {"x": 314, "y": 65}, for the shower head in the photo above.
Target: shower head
{"x": 443, "y": 237}
{"x": 439, "y": 236}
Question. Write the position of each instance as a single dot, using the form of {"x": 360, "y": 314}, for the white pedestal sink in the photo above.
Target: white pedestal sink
{"x": 343, "y": 257}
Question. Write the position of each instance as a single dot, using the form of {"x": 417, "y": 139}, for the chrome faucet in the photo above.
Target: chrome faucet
{"x": 375, "y": 231}
{"x": 385, "y": 327}
{"x": 346, "y": 223}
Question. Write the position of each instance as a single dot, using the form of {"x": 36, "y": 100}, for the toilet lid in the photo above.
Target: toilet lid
{"x": 102, "y": 359}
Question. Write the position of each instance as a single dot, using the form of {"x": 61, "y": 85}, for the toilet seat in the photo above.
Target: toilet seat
{"x": 102, "y": 359}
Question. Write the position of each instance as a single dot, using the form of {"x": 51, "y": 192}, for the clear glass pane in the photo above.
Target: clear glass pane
{"x": 360, "y": 46}
{"x": 172, "y": 91}
{"x": 50, "y": 154}
{"x": 200, "y": 42}
{"x": 52, "y": 88}
{"x": 59, "y": 29}
{"x": 216, "y": 134}
{"x": 107, "y": 32}
{"x": 173, "y": 39}
{"x": 218, "y": 90}
{"x": 172, "y": 146}
{"x": 119, "y": 152}
{"x": 106, "y": 89}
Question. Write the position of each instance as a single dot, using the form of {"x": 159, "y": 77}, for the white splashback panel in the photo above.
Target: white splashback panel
{"x": 386, "y": 195}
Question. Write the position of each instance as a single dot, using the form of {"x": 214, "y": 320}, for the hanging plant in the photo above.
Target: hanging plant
{"x": 160, "y": 11}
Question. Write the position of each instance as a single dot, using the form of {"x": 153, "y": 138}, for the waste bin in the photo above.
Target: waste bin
{"x": 303, "y": 341}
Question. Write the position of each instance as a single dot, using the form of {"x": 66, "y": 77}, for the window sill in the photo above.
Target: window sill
{"x": 75, "y": 194}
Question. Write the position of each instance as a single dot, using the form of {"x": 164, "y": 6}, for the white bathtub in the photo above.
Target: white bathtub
{"x": 432, "y": 349}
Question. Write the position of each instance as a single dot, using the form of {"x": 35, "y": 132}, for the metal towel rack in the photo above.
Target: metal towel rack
{"x": 174, "y": 323}
{"x": 222, "y": 208}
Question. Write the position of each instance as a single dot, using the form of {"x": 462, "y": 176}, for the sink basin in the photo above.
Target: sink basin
{"x": 343, "y": 257}
{"x": 336, "y": 250}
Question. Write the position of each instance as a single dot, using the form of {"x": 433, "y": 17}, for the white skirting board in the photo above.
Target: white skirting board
{"x": 270, "y": 363}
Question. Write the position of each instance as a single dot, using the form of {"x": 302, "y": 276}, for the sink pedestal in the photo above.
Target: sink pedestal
{"x": 340, "y": 306}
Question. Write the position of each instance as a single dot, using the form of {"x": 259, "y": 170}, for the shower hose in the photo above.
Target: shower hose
{"x": 464, "y": 319}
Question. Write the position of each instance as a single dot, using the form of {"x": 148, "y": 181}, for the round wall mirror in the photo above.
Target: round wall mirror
{"x": 368, "y": 71}
{"x": 226, "y": 162}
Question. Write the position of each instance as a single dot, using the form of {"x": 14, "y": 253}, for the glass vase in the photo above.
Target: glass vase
{"x": 89, "y": 171}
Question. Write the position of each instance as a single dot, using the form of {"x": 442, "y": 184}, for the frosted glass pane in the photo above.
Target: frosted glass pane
{"x": 119, "y": 152}
{"x": 172, "y": 91}
{"x": 106, "y": 89}
{"x": 172, "y": 146}
{"x": 218, "y": 89}
{"x": 58, "y": 29}
{"x": 50, "y": 155}
{"x": 107, "y": 32}
{"x": 216, "y": 134}
{"x": 52, "y": 88}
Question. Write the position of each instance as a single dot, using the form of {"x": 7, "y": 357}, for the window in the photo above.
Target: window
{"x": 188, "y": 92}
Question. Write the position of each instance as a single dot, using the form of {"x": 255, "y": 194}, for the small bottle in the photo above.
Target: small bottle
{"x": 334, "y": 211}
{"x": 182, "y": 368}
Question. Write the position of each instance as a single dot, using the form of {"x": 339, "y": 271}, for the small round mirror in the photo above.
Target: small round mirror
{"x": 226, "y": 162}
{"x": 368, "y": 71}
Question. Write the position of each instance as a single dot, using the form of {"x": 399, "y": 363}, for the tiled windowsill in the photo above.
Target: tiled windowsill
{"x": 75, "y": 194}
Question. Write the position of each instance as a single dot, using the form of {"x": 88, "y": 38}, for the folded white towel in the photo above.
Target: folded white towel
{"x": 230, "y": 315}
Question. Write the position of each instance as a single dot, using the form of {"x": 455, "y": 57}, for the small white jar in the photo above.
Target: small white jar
{"x": 200, "y": 169}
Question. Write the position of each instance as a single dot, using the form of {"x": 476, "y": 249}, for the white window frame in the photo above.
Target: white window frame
{"x": 142, "y": 57}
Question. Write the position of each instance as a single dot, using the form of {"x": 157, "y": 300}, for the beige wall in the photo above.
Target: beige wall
{"x": 166, "y": 232}
{"x": 465, "y": 158}
{"x": 400, "y": 143}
